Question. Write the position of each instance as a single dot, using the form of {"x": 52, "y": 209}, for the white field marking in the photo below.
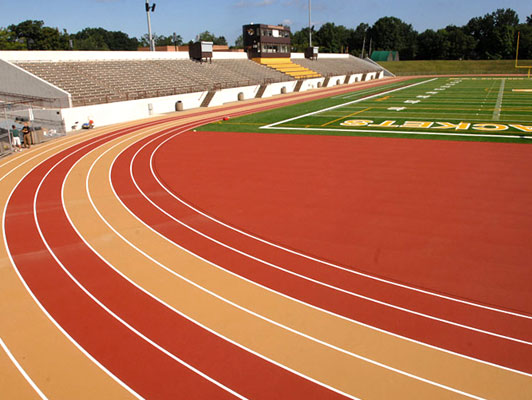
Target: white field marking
{"x": 320, "y": 283}
{"x": 411, "y": 101}
{"x": 397, "y": 108}
{"x": 432, "y": 92}
{"x": 39, "y": 304}
{"x": 289, "y": 298}
{"x": 21, "y": 370}
{"x": 350, "y": 102}
{"x": 469, "y": 303}
{"x": 498, "y": 105}
{"x": 370, "y": 89}
{"x": 422, "y": 133}
{"x": 295, "y": 299}
{"x": 192, "y": 283}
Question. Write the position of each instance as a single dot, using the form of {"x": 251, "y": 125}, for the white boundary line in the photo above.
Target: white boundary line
{"x": 21, "y": 370}
{"x": 400, "y": 133}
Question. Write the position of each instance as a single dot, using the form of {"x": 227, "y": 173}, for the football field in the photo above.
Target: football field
{"x": 464, "y": 108}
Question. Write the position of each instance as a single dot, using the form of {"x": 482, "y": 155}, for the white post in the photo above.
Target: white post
{"x": 152, "y": 47}
{"x": 309, "y": 26}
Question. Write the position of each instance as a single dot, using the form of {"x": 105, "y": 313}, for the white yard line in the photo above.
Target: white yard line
{"x": 344, "y": 104}
{"x": 498, "y": 105}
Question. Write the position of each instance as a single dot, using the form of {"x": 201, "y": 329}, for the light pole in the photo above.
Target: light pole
{"x": 309, "y": 27}
{"x": 148, "y": 10}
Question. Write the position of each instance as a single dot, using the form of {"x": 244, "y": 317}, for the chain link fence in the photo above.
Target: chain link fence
{"x": 46, "y": 123}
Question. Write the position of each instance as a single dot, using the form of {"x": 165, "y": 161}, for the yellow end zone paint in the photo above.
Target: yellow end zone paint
{"x": 461, "y": 126}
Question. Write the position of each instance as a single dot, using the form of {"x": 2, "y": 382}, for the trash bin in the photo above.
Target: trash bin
{"x": 179, "y": 105}
{"x": 240, "y": 96}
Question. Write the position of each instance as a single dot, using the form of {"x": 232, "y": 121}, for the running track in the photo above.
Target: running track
{"x": 148, "y": 261}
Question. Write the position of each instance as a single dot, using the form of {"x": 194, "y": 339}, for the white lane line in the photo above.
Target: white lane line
{"x": 498, "y": 105}
{"x": 324, "y": 310}
{"x": 98, "y": 302}
{"x": 305, "y": 277}
{"x": 311, "y": 258}
{"x": 21, "y": 370}
{"x": 147, "y": 256}
{"x": 345, "y": 104}
{"x": 358, "y": 356}
{"x": 39, "y": 304}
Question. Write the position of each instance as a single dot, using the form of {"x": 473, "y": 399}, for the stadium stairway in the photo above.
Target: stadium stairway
{"x": 286, "y": 66}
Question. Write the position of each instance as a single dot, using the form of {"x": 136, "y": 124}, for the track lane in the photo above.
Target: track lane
{"x": 133, "y": 197}
{"x": 51, "y": 359}
{"x": 500, "y": 323}
{"x": 470, "y": 343}
{"x": 72, "y": 308}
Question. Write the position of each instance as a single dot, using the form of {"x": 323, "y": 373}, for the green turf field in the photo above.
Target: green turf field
{"x": 464, "y": 108}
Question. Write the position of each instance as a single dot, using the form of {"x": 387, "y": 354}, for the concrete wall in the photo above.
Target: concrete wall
{"x": 336, "y": 80}
{"x": 15, "y": 80}
{"x": 90, "y": 55}
{"x": 231, "y": 95}
{"x": 311, "y": 84}
{"x": 275, "y": 88}
{"x": 355, "y": 78}
{"x": 113, "y": 113}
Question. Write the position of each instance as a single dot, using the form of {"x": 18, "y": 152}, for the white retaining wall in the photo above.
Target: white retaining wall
{"x": 275, "y": 88}
{"x": 231, "y": 95}
{"x": 336, "y": 80}
{"x": 123, "y": 111}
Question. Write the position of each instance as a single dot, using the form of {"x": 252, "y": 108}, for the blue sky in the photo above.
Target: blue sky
{"x": 226, "y": 17}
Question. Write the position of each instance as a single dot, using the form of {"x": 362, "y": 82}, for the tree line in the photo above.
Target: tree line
{"x": 492, "y": 36}
{"x": 33, "y": 35}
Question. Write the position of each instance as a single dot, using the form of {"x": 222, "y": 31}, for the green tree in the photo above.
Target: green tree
{"x": 390, "y": 33}
{"x": 358, "y": 38}
{"x": 36, "y": 36}
{"x": 332, "y": 38}
{"x": 8, "y": 41}
{"x": 494, "y": 34}
{"x": 432, "y": 45}
{"x": 300, "y": 38}
{"x": 102, "y": 39}
{"x": 239, "y": 42}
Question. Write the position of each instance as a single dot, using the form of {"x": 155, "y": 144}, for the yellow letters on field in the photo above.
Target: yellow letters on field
{"x": 490, "y": 127}
{"x": 417, "y": 124}
{"x": 357, "y": 122}
{"x": 448, "y": 125}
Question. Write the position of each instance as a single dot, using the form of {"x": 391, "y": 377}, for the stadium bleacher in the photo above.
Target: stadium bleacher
{"x": 94, "y": 82}
{"x": 104, "y": 81}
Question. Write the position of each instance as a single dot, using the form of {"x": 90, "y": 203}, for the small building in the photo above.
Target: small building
{"x": 266, "y": 41}
{"x": 385, "y": 55}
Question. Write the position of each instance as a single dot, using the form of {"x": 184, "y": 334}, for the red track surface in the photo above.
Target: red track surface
{"x": 438, "y": 216}
{"x": 286, "y": 188}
